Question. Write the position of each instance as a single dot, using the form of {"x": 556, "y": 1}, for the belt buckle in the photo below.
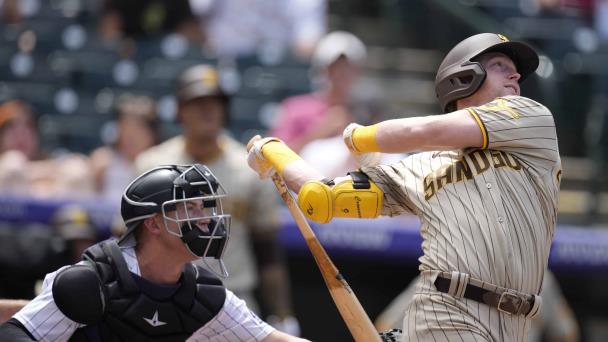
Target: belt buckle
{"x": 510, "y": 303}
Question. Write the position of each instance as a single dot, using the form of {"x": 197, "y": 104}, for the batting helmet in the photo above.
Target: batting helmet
{"x": 165, "y": 189}
{"x": 459, "y": 75}
{"x": 200, "y": 80}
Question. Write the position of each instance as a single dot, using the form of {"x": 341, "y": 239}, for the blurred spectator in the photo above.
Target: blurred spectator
{"x": 145, "y": 18}
{"x": 601, "y": 18}
{"x": 245, "y": 27}
{"x": 582, "y": 9}
{"x": 136, "y": 130}
{"x": 253, "y": 256}
{"x": 324, "y": 113}
{"x": 23, "y": 168}
{"x": 11, "y": 14}
{"x": 555, "y": 323}
{"x": 73, "y": 227}
{"x": 32, "y": 249}
{"x": 18, "y": 145}
{"x": 18, "y": 130}
{"x": 68, "y": 175}
{"x": 27, "y": 252}
{"x": 13, "y": 178}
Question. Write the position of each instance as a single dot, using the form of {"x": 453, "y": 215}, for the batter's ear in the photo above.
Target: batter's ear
{"x": 77, "y": 292}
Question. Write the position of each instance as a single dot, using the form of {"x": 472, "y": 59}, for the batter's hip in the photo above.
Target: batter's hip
{"x": 436, "y": 316}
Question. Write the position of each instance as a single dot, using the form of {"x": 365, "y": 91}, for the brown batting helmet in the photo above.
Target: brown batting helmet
{"x": 459, "y": 75}
{"x": 199, "y": 81}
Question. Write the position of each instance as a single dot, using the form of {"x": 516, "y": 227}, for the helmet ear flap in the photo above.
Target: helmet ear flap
{"x": 136, "y": 212}
{"x": 459, "y": 82}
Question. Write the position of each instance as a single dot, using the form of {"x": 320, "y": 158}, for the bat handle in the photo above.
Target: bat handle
{"x": 351, "y": 310}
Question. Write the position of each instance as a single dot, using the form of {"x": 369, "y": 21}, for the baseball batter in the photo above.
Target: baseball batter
{"x": 485, "y": 187}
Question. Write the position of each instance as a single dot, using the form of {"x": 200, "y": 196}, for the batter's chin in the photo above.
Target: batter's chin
{"x": 512, "y": 90}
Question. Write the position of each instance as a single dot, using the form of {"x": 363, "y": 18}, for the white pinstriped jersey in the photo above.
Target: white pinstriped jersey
{"x": 248, "y": 197}
{"x": 234, "y": 322}
{"x": 487, "y": 212}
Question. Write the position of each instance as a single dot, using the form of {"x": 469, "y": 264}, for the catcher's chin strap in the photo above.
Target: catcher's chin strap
{"x": 394, "y": 335}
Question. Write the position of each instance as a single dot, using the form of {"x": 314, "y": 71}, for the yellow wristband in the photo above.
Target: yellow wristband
{"x": 364, "y": 139}
{"x": 279, "y": 155}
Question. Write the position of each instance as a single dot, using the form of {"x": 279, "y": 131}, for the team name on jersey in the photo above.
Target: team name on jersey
{"x": 473, "y": 164}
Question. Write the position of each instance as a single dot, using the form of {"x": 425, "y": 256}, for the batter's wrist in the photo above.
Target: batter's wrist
{"x": 279, "y": 155}
{"x": 364, "y": 139}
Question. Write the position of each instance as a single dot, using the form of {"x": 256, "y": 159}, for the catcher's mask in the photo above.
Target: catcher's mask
{"x": 460, "y": 76}
{"x": 190, "y": 201}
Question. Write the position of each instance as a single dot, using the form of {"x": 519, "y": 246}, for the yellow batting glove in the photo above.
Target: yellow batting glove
{"x": 268, "y": 155}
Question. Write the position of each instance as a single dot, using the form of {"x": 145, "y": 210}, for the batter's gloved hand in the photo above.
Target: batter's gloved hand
{"x": 288, "y": 324}
{"x": 369, "y": 159}
{"x": 255, "y": 158}
{"x": 347, "y": 135}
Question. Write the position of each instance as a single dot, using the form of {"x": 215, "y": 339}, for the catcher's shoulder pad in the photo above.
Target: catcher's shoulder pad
{"x": 77, "y": 292}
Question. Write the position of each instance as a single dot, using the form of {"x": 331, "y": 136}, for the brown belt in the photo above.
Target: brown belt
{"x": 508, "y": 302}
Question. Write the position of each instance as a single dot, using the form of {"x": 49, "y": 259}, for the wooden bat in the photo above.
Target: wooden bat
{"x": 348, "y": 305}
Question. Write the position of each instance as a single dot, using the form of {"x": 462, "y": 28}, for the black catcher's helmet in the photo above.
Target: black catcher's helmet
{"x": 459, "y": 76}
{"x": 163, "y": 190}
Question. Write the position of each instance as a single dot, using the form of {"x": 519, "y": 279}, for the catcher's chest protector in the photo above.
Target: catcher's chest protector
{"x": 138, "y": 310}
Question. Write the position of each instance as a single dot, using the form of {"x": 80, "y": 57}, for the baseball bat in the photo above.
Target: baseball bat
{"x": 357, "y": 321}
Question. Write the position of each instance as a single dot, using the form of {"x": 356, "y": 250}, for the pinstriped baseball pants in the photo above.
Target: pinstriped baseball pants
{"x": 438, "y": 317}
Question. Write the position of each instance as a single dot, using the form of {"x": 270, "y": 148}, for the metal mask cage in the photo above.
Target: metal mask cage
{"x": 212, "y": 214}
{"x": 199, "y": 180}
{"x": 214, "y": 193}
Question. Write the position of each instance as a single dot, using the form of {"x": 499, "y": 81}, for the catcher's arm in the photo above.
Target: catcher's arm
{"x": 9, "y": 307}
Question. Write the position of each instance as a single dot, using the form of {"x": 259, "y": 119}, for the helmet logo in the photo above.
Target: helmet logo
{"x": 502, "y": 38}
{"x": 209, "y": 78}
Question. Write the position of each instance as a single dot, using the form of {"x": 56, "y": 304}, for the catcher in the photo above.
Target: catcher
{"x": 145, "y": 287}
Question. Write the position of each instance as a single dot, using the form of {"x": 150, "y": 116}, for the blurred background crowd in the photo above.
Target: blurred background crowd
{"x": 86, "y": 86}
